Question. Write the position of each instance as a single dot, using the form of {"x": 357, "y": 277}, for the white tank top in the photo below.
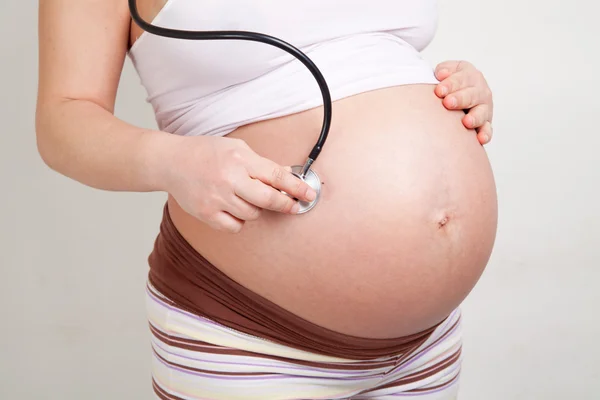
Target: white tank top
{"x": 214, "y": 87}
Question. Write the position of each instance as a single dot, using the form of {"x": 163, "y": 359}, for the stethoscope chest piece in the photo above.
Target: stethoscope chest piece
{"x": 311, "y": 179}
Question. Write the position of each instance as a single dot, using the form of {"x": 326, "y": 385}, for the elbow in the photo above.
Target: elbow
{"x": 44, "y": 149}
{"x": 46, "y": 146}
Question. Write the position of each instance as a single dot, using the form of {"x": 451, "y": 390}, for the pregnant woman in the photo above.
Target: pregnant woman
{"x": 247, "y": 299}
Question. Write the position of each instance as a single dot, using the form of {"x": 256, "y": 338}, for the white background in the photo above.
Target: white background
{"x": 73, "y": 268}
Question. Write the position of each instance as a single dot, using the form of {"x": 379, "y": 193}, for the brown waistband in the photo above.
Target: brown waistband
{"x": 179, "y": 272}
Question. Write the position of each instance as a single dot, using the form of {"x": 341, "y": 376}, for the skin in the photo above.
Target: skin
{"x": 82, "y": 50}
{"x": 396, "y": 242}
{"x": 78, "y": 135}
{"x": 463, "y": 87}
{"x": 83, "y": 45}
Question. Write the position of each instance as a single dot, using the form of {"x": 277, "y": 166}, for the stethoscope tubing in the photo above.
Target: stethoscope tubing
{"x": 253, "y": 37}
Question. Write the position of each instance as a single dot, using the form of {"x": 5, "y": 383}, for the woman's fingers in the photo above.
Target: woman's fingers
{"x": 278, "y": 177}
{"x": 225, "y": 222}
{"x": 477, "y": 116}
{"x": 485, "y": 133}
{"x": 454, "y": 83}
{"x": 453, "y": 76}
{"x": 242, "y": 210}
{"x": 447, "y": 68}
{"x": 463, "y": 99}
{"x": 463, "y": 87}
{"x": 264, "y": 196}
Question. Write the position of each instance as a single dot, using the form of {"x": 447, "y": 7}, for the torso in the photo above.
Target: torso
{"x": 403, "y": 230}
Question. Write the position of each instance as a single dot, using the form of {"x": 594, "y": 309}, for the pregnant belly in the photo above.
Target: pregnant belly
{"x": 403, "y": 230}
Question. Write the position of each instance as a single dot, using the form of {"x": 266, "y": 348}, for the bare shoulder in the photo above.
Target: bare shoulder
{"x": 82, "y": 47}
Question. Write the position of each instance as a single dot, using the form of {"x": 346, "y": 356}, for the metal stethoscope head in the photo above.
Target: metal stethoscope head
{"x": 304, "y": 172}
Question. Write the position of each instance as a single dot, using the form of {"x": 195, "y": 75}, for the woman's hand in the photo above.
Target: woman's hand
{"x": 463, "y": 87}
{"x": 224, "y": 183}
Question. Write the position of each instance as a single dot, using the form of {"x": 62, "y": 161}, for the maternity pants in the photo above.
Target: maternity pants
{"x": 214, "y": 339}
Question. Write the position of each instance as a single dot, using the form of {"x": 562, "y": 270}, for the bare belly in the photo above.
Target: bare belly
{"x": 404, "y": 228}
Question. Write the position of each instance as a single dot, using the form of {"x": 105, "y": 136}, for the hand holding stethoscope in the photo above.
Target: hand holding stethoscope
{"x": 305, "y": 173}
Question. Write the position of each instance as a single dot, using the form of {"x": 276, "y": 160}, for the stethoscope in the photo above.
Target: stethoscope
{"x": 305, "y": 172}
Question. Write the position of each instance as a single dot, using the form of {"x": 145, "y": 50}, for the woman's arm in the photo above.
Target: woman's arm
{"x": 82, "y": 49}
{"x": 220, "y": 181}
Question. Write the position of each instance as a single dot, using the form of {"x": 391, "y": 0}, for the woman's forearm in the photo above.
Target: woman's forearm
{"x": 85, "y": 142}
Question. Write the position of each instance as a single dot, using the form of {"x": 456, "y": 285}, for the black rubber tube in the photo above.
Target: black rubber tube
{"x": 253, "y": 37}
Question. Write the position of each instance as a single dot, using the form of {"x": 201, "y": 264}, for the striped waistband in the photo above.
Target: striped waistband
{"x": 197, "y": 358}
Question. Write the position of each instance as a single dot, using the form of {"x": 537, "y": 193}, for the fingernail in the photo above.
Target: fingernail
{"x": 288, "y": 169}
{"x": 295, "y": 208}
{"x": 442, "y": 71}
{"x": 311, "y": 195}
{"x": 453, "y": 102}
{"x": 486, "y": 138}
{"x": 443, "y": 90}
